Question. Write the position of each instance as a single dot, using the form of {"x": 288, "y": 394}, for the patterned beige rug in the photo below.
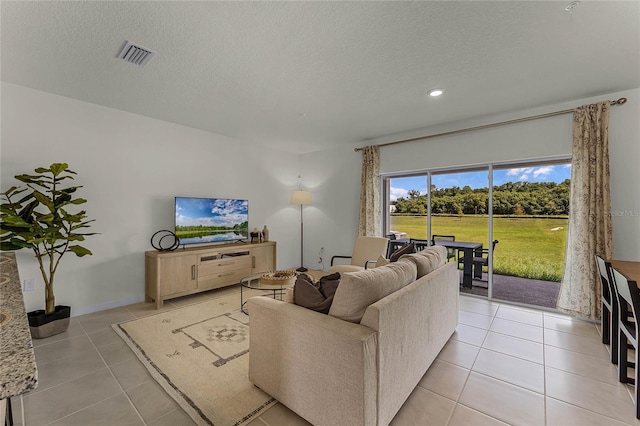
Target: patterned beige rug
{"x": 200, "y": 355}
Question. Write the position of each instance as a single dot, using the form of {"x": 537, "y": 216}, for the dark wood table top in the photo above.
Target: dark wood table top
{"x": 628, "y": 268}
{"x": 458, "y": 244}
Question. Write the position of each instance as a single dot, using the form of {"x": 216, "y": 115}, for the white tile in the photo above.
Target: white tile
{"x": 471, "y": 335}
{"x": 560, "y": 413}
{"x": 424, "y": 407}
{"x": 516, "y": 371}
{"x": 573, "y": 326}
{"x": 459, "y": 353}
{"x": 514, "y": 346}
{"x": 607, "y": 400}
{"x": 474, "y": 320}
{"x": 576, "y": 343}
{"x": 519, "y": 315}
{"x": 503, "y": 401}
{"x": 445, "y": 379}
{"x": 465, "y": 416}
{"x": 478, "y": 306}
{"x": 592, "y": 367}
{"x": 517, "y": 329}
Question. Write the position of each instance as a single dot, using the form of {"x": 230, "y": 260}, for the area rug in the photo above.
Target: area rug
{"x": 199, "y": 354}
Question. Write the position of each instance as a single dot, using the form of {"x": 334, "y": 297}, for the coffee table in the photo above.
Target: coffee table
{"x": 254, "y": 282}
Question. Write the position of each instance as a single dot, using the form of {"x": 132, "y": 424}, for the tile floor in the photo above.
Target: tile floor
{"x": 504, "y": 365}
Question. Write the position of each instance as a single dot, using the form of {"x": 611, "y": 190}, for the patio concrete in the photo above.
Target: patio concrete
{"x": 515, "y": 289}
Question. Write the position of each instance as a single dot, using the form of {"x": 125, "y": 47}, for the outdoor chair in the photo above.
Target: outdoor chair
{"x": 419, "y": 244}
{"x": 480, "y": 259}
{"x": 609, "y": 308}
{"x": 365, "y": 249}
{"x": 451, "y": 252}
{"x": 629, "y": 307}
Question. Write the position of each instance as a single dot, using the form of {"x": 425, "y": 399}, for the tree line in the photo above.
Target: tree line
{"x": 200, "y": 228}
{"x": 511, "y": 198}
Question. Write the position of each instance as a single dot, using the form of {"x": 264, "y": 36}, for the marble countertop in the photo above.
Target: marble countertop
{"x": 18, "y": 372}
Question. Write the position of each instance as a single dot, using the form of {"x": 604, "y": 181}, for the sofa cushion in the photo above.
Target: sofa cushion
{"x": 358, "y": 290}
{"x": 315, "y": 296}
{"x": 405, "y": 249}
{"x": 427, "y": 260}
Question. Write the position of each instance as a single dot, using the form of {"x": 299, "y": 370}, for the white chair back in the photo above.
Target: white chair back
{"x": 368, "y": 248}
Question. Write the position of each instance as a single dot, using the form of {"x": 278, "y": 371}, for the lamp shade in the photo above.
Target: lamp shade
{"x": 300, "y": 197}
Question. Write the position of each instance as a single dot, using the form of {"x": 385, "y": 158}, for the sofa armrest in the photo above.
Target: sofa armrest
{"x": 321, "y": 367}
{"x": 413, "y": 324}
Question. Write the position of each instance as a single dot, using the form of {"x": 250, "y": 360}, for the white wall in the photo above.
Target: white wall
{"x": 131, "y": 168}
{"x": 336, "y": 228}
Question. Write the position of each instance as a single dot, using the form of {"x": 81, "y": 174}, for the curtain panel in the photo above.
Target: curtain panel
{"x": 590, "y": 230}
{"x": 370, "y": 208}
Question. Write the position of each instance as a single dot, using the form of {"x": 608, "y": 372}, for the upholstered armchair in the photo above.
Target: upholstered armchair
{"x": 365, "y": 249}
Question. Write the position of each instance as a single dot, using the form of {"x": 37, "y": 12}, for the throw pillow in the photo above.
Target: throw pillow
{"x": 329, "y": 284}
{"x": 381, "y": 261}
{"x": 317, "y": 297}
{"x": 429, "y": 259}
{"x": 405, "y": 249}
{"x": 358, "y": 290}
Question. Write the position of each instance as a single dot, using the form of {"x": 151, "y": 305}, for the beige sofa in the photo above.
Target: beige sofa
{"x": 352, "y": 371}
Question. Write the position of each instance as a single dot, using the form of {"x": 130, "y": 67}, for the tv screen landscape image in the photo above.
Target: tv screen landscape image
{"x": 211, "y": 220}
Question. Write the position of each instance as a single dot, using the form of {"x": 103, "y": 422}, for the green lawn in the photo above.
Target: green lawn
{"x": 528, "y": 247}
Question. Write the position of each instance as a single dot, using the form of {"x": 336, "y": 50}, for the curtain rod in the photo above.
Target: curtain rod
{"x": 620, "y": 101}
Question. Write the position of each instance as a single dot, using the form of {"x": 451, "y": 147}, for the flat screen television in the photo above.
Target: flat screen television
{"x": 211, "y": 220}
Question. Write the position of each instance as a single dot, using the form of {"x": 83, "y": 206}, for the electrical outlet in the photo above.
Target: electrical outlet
{"x": 320, "y": 255}
{"x": 30, "y": 284}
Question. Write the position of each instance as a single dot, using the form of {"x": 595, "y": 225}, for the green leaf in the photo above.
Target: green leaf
{"x": 14, "y": 221}
{"x": 43, "y": 199}
{"x": 80, "y": 251}
{"x": 57, "y": 168}
{"x": 7, "y": 246}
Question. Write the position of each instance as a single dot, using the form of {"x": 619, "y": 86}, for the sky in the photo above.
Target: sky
{"x": 210, "y": 211}
{"x": 556, "y": 173}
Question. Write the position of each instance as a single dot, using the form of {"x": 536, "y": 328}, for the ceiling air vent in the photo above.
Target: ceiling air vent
{"x": 136, "y": 54}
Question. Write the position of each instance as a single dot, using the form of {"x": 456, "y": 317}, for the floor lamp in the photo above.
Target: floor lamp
{"x": 301, "y": 197}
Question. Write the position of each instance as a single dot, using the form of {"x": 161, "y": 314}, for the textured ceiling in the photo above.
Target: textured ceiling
{"x": 304, "y": 76}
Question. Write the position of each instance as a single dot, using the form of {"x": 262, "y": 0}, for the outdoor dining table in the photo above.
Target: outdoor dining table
{"x": 468, "y": 248}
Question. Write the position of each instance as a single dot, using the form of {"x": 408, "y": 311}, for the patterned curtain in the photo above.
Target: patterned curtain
{"x": 590, "y": 231}
{"x": 370, "y": 210}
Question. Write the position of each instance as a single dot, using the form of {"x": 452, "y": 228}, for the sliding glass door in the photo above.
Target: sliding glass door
{"x": 514, "y": 215}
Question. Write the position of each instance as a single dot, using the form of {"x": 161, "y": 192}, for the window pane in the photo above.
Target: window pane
{"x": 530, "y": 218}
{"x": 408, "y": 207}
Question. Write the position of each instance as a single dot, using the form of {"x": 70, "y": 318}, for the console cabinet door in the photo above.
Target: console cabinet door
{"x": 264, "y": 258}
{"x": 179, "y": 274}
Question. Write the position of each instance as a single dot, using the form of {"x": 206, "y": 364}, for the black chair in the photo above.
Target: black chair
{"x": 480, "y": 259}
{"x": 628, "y": 309}
{"x": 609, "y": 308}
{"x": 451, "y": 252}
{"x": 419, "y": 244}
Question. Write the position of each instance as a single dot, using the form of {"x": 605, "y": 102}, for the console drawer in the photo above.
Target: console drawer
{"x": 223, "y": 278}
{"x": 226, "y": 264}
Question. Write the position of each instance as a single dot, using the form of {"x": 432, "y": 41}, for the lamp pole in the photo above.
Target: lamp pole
{"x": 301, "y": 268}
{"x": 301, "y": 197}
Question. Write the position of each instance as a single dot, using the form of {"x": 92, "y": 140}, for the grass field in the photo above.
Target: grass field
{"x": 528, "y": 247}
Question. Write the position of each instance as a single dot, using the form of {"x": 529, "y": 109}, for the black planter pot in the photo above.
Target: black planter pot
{"x": 42, "y": 325}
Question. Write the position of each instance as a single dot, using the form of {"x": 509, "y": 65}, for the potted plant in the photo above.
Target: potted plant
{"x": 36, "y": 218}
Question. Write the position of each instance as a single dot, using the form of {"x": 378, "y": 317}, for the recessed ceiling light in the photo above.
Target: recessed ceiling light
{"x": 571, "y": 6}
{"x": 435, "y": 92}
